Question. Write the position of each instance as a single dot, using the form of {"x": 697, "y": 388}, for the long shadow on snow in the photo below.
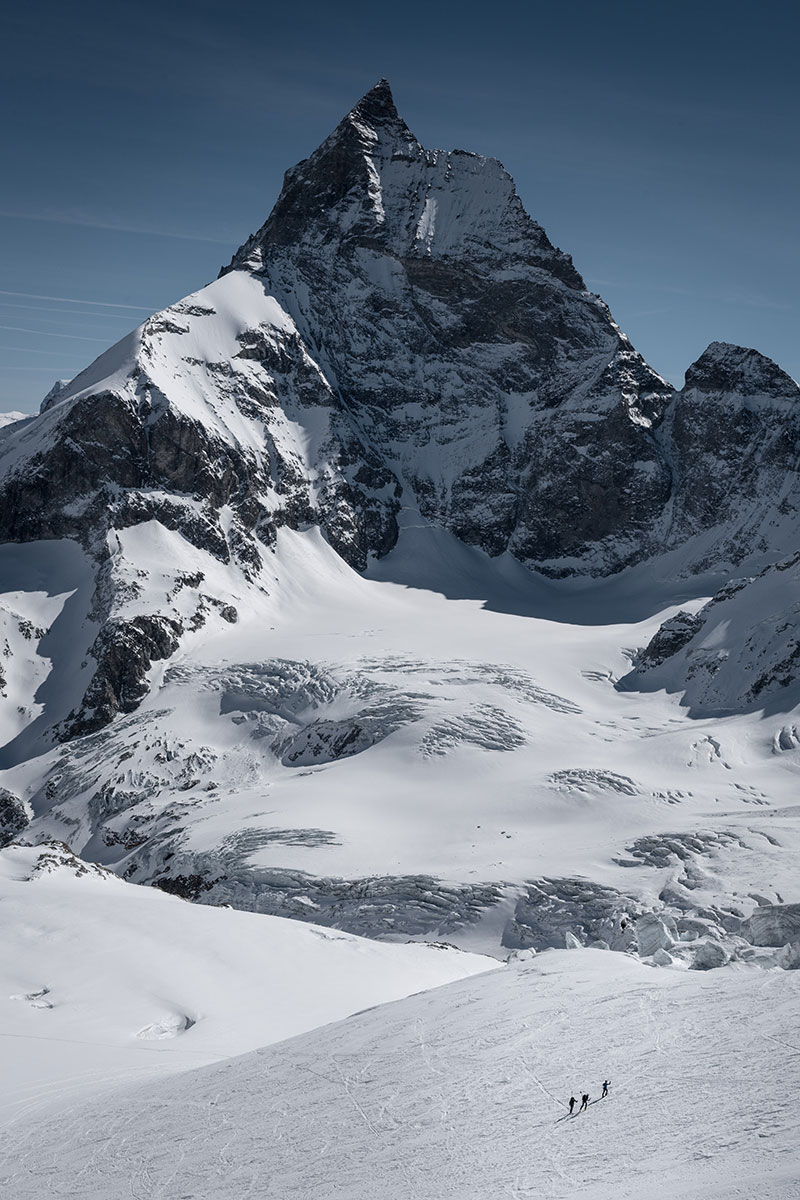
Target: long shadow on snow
{"x": 434, "y": 560}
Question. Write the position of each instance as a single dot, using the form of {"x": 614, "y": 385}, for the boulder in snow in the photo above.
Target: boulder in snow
{"x": 708, "y": 956}
{"x": 652, "y": 934}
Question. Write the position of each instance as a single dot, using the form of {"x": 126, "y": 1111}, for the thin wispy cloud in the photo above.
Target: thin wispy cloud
{"x": 89, "y": 222}
{"x": 77, "y": 312}
{"x": 74, "y": 300}
{"x": 70, "y": 319}
{"x": 750, "y": 298}
{"x": 34, "y": 350}
{"x": 77, "y": 337}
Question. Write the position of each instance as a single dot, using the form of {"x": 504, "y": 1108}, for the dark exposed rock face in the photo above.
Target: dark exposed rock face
{"x": 672, "y": 636}
{"x": 732, "y": 435}
{"x": 473, "y": 334}
{"x": 13, "y": 817}
{"x": 124, "y": 652}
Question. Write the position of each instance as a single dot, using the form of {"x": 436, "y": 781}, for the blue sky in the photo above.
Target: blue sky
{"x": 142, "y": 142}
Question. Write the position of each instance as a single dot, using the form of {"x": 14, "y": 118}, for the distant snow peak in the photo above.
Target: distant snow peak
{"x": 10, "y": 418}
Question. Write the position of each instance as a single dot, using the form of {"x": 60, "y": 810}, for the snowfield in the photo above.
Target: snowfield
{"x": 396, "y": 760}
{"x": 461, "y": 1093}
{"x": 101, "y": 981}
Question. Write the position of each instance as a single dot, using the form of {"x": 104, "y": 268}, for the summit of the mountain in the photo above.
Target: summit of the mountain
{"x": 371, "y": 184}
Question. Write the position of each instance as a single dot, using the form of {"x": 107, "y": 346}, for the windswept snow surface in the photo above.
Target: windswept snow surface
{"x": 101, "y": 981}
{"x": 461, "y": 1094}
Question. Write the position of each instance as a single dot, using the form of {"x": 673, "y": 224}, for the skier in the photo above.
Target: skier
{"x": 572, "y": 1103}
{"x": 605, "y": 1088}
{"x": 584, "y": 1101}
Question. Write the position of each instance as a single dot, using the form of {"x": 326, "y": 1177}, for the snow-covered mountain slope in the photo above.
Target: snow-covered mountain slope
{"x": 397, "y": 763}
{"x": 741, "y": 650}
{"x": 101, "y": 981}
{"x": 461, "y": 1093}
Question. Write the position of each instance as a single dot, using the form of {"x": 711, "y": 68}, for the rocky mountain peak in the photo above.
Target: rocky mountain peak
{"x": 377, "y": 106}
{"x": 371, "y": 184}
{"x": 726, "y": 368}
{"x": 372, "y": 128}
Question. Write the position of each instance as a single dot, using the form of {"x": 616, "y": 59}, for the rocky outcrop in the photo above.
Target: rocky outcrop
{"x": 731, "y": 436}
{"x": 124, "y": 652}
{"x": 13, "y": 817}
{"x": 672, "y": 636}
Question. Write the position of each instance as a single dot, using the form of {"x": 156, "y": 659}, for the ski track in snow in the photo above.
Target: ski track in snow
{"x": 461, "y": 1093}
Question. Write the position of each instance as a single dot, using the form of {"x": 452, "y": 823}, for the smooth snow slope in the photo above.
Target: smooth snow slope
{"x": 102, "y": 981}
{"x": 459, "y": 1094}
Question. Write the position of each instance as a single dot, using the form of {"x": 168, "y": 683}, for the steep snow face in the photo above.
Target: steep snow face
{"x": 740, "y": 651}
{"x": 212, "y": 402}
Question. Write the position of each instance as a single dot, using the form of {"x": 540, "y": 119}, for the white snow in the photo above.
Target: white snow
{"x": 10, "y": 418}
{"x": 102, "y": 981}
{"x": 461, "y": 1093}
{"x": 504, "y": 763}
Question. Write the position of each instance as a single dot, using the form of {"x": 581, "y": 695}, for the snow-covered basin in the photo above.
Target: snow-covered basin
{"x": 460, "y": 1094}
{"x": 101, "y": 980}
{"x": 470, "y": 815}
